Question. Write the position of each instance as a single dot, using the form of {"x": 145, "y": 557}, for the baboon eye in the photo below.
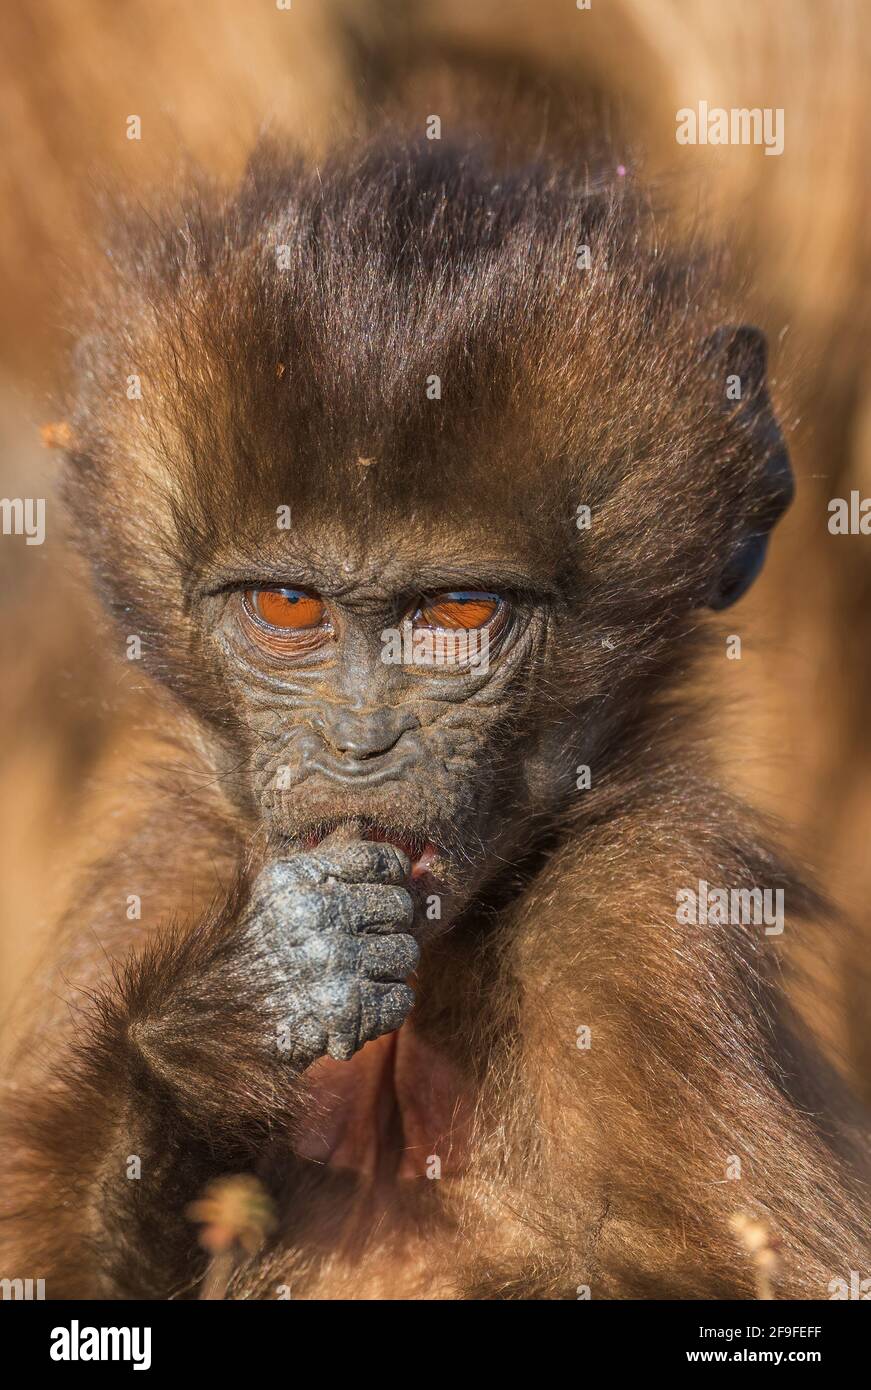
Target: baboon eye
{"x": 464, "y": 609}
{"x": 288, "y": 609}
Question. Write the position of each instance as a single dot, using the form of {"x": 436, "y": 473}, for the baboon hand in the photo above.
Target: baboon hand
{"x": 333, "y": 925}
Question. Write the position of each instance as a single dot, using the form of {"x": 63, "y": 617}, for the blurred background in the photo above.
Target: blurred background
{"x": 790, "y": 725}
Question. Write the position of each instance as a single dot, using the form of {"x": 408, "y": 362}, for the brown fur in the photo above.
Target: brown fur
{"x": 604, "y": 1167}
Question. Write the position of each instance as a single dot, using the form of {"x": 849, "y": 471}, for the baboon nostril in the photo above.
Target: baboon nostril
{"x": 352, "y": 737}
{"x": 360, "y": 746}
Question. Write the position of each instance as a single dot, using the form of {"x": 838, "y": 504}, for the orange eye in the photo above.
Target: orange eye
{"x": 288, "y": 609}
{"x": 465, "y": 610}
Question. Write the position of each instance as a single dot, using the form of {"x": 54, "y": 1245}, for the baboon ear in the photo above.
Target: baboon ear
{"x": 738, "y": 357}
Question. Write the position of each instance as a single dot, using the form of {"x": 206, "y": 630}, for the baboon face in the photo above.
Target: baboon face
{"x": 389, "y": 682}
{"x": 415, "y": 506}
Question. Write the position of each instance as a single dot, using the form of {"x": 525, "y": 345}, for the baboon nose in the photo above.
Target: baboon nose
{"x": 353, "y": 736}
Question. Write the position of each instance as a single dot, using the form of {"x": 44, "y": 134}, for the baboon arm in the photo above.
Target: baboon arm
{"x": 171, "y": 1077}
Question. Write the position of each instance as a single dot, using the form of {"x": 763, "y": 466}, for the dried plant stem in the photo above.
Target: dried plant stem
{"x": 218, "y": 1276}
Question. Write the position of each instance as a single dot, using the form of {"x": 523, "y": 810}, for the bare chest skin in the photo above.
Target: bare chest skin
{"x": 386, "y": 1145}
{"x": 396, "y": 1112}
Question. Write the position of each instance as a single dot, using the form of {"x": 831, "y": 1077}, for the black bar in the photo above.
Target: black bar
{"x": 313, "y": 1340}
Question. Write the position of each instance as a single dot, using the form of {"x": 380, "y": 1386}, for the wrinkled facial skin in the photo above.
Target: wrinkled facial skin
{"x": 426, "y": 753}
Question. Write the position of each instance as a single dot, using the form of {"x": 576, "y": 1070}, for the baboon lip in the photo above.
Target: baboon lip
{"x": 413, "y": 843}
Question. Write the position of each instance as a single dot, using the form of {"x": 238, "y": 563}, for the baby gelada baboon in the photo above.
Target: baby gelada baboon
{"x": 413, "y": 479}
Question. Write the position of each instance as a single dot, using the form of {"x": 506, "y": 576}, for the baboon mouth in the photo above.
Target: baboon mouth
{"x": 421, "y": 851}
